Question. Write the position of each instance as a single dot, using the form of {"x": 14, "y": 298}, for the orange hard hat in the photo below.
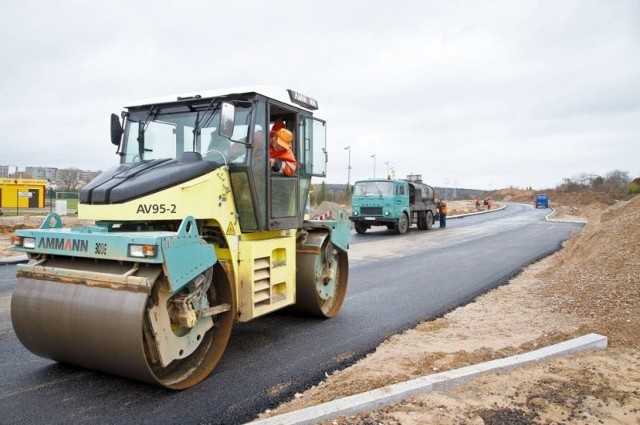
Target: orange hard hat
{"x": 285, "y": 137}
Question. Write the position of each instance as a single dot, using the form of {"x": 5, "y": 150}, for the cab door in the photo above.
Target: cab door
{"x": 401, "y": 196}
{"x": 288, "y": 195}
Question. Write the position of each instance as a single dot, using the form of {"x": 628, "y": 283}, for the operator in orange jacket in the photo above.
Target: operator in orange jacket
{"x": 281, "y": 158}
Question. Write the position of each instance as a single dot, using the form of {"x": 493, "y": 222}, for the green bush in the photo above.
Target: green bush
{"x": 633, "y": 188}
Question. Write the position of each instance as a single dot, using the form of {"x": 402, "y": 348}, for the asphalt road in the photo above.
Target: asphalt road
{"x": 395, "y": 282}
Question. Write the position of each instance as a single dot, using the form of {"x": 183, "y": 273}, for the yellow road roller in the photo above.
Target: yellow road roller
{"x": 196, "y": 228}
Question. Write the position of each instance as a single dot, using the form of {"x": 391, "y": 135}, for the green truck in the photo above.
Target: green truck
{"x": 395, "y": 204}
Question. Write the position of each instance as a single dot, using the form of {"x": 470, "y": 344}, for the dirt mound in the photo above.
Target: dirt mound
{"x": 327, "y": 210}
{"x": 9, "y": 224}
{"x": 598, "y": 273}
{"x": 579, "y": 198}
{"x": 513, "y": 195}
{"x": 468, "y": 206}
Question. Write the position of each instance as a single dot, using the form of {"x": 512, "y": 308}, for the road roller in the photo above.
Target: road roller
{"x": 195, "y": 228}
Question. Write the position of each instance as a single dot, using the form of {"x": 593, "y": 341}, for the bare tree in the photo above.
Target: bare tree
{"x": 68, "y": 180}
{"x": 615, "y": 182}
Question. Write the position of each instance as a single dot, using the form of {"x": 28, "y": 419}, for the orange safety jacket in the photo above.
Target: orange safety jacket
{"x": 285, "y": 162}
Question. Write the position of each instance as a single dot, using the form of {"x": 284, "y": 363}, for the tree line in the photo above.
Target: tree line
{"x": 617, "y": 184}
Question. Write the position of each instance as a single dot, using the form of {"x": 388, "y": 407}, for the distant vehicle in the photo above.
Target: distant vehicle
{"x": 542, "y": 200}
{"x": 395, "y": 204}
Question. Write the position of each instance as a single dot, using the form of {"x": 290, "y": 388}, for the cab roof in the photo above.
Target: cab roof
{"x": 287, "y": 96}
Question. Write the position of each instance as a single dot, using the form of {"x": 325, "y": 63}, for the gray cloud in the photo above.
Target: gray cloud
{"x": 483, "y": 94}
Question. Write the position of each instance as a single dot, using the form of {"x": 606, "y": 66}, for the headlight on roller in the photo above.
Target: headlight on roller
{"x": 142, "y": 251}
{"x": 23, "y": 242}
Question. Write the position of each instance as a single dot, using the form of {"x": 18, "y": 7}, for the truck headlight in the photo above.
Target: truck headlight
{"x": 142, "y": 251}
{"x": 386, "y": 213}
{"x": 355, "y": 213}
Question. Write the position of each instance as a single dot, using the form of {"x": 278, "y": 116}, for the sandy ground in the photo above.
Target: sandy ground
{"x": 591, "y": 285}
{"x": 9, "y": 224}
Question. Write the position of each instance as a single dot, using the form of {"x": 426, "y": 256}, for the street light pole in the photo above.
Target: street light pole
{"x": 374, "y": 165}
{"x": 446, "y": 188}
{"x": 348, "y": 148}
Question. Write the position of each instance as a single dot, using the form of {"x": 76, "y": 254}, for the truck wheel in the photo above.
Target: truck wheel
{"x": 360, "y": 227}
{"x": 402, "y": 226}
{"x": 422, "y": 220}
{"x": 429, "y": 220}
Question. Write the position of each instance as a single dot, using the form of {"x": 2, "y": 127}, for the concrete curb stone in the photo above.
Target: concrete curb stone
{"x": 376, "y": 399}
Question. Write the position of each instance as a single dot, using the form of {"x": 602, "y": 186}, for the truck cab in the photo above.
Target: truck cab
{"x": 542, "y": 200}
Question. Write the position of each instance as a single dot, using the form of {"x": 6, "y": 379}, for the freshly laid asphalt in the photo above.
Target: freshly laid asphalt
{"x": 372, "y": 400}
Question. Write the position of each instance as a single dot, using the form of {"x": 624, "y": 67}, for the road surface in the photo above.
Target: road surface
{"x": 395, "y": 282}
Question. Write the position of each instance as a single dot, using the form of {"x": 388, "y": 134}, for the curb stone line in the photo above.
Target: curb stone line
{"x": 378, "y": 398}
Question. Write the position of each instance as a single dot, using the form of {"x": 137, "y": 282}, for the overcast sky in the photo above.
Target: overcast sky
{"x": 474, "y": 94}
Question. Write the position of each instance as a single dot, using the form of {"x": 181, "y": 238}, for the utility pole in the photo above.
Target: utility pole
{"x": 446, "y": 188}
{"x": 374, "y": 165}
{"x": 348, "y": 148}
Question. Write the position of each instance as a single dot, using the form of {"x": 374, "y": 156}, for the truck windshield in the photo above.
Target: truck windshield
{"x": 373, "y": 189}
{"x": 166, "y": 132}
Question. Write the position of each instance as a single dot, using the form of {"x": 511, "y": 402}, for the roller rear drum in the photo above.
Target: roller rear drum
{"x": 322, "y": 279}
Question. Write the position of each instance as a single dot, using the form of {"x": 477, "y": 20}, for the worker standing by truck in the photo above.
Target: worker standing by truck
{"x": 442, "y": 209}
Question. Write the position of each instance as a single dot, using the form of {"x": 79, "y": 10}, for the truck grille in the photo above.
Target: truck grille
{"x": 371, "y": 211}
